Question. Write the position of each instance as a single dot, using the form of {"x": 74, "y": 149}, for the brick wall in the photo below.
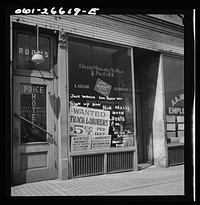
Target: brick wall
{"x": 133, "y": 30}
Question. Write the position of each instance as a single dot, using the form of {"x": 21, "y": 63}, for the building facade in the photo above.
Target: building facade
{"x": 109, "y": 96}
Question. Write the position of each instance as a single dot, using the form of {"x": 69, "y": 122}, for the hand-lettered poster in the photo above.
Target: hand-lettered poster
{"x": 88, "y": 121}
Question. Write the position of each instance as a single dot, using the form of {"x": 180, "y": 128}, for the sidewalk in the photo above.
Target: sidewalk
{"x": 150, "y": 181}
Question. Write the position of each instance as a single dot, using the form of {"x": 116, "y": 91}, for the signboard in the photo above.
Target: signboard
{"x": 102, "y": 87}
{"x": 170, "y": 118}
{"x": 180, "y": 126}
{"x": 174, "y": 102}
{"x": 80, "y": 143}
{"x": 171, "y": 134}
{"x": 180, "y": 133}
{"x": 88, "y": 121}
{"x": 101, "y": 142}
{"x": 180, "y": 118}
{"x": 171, "y": 127}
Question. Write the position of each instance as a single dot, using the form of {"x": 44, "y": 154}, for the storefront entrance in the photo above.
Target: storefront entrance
{"x": 146, "y": 79}
{"x": 34, "y": 138}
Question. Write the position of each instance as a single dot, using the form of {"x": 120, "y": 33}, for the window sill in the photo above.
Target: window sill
{"x": 110, "y": 150}
{"x": 175, "y": 144}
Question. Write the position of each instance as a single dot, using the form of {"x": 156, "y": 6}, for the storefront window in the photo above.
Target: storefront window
{"x": 33, "y": 109}
{"x": 101, "y": 100}
{"x": 174, "y": 98}
{"x": 25, "y": 49}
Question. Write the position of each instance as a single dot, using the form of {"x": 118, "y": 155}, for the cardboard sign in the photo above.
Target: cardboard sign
{"x": 180, "y": 126}
{"x": 170, "y": 118}
{"x": 171, "y": 127}
{"x": 180, "y": 133}
{"x": 171, "y": 135}
{"x": 80, "y": 143}
{"x": 101, "y": 142}
{"x": 180, "y": 118}
{"x": 88, "y": 121}
{"x": 102, "y": 87}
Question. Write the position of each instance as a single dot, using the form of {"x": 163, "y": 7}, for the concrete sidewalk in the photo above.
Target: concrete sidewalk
{"x": 150, "y": 181}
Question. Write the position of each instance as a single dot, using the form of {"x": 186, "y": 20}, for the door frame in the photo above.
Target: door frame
{"x": 46, "y": 150}
{"x": 139, "y": 125}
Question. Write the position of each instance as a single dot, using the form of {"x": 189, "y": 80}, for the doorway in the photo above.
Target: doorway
{"x": 145, "y": 62}
{"x": 139, "y": 127}
{"x": 34, "y": 136}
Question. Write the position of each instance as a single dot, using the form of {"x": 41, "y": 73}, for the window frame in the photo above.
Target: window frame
{"x": 111, "y": 149}
{"x": 29, "y": 30}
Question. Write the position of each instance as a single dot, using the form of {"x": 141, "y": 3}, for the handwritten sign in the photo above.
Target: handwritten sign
{"x": 80, "y": 143}
{"x": 101, "y": 142}
{"x": 88, "y": 121}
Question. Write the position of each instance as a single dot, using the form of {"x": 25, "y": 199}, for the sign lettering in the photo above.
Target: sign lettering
{"x": 88, "y": 121}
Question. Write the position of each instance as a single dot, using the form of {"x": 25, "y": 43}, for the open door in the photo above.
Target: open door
{"x": 34, "y": 138}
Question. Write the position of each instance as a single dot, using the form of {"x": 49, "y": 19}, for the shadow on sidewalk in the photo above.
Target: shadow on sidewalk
{"x": 142, "y": 166}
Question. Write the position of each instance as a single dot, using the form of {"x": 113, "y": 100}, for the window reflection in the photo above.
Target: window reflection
{"x": 174, "y": 98}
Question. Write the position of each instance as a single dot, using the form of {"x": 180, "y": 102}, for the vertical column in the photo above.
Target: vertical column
{"x": 159, "y": 142}
{"x": 135, "y": 154}
{"x": 63, "y": 155}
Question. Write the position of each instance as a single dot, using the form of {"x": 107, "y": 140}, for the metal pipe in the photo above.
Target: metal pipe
{"x": 37, "y": 38}
{"x": 22, "y": 118}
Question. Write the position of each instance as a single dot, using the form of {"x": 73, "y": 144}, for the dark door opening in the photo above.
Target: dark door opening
{"x": 145, "y": 62}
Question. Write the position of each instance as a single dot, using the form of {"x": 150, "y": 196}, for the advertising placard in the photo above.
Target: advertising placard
{"x": 102, "y": 87}
{"x": 101, "y": 142}
{"x": 80, "y": 143}
{"x": 180, "y": 126}
{"x": 170, "y": 118}
{"x": 88, "y": 121}
{"x": 180, "y": 118}
{"x": 171, "y": 127}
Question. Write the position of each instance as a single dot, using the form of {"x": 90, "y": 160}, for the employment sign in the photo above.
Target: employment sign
{"x": 101, "y": 142}
{"x": 88, "y": 121}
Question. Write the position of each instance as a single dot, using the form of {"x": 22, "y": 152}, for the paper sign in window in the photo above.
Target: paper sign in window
{"x": 171, "y": 127}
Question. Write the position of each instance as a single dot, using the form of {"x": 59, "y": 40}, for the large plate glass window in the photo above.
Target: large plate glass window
{"x": 101, "y": 95}
{"x": 174, "y": 98}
